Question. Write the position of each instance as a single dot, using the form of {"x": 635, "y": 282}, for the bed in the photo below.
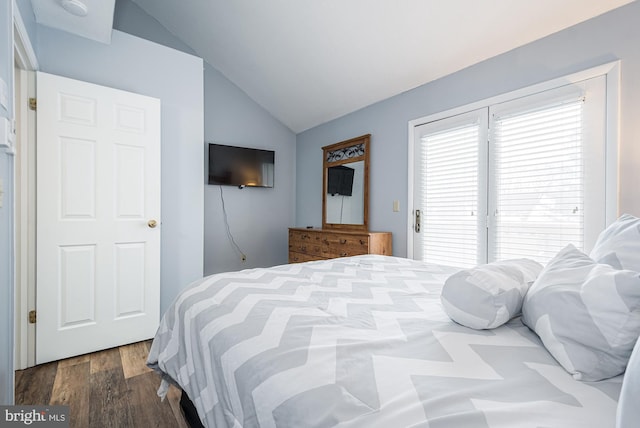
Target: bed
{"x": 380, "y": 341}
{"x": 361, "y": 341}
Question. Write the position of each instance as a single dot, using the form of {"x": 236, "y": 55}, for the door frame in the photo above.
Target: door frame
{"x": 26, "y": 63}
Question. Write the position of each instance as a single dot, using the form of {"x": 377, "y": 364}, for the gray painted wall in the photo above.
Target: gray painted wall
{"x": 613, "y": 36}
{"x": 137, "y": 65}
{"x": 6, "y": 216}
{"x": 130, "y": 18}
{"x": 258, "y": 218}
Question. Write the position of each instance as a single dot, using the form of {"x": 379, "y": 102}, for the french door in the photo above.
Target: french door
{"x": 521, "y": 178}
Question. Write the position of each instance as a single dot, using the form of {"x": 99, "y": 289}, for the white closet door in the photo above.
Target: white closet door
{"x": 98, "y": 196}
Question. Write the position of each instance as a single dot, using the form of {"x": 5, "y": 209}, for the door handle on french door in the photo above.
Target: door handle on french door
{"x": 152, "y": 223}
{"x": 416, "y": 225}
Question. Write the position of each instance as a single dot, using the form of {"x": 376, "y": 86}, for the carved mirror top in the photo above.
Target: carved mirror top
{"x": 350, "y": 152}
{"x": 345, "y": 189}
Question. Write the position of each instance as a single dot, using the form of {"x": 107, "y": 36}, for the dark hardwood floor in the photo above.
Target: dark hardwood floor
{"x": 112, "y": 388}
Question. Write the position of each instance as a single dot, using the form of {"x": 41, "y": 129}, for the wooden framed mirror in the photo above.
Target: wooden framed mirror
{"x": 345, "y": 188}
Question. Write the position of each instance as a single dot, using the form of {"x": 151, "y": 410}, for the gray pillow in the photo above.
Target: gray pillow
{"x": 586, "y": 314}
{"x": 619, "y": 244}
{"x": 489, "y": 295}
{"x": 628, "y": 409}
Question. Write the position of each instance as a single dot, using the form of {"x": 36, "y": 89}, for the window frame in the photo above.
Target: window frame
{"x": 611, "y": 71}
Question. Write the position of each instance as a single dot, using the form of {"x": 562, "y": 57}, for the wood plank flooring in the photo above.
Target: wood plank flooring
{"x": 111, "y": 388}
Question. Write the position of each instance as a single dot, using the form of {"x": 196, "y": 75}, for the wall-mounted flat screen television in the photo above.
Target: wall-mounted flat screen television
{"x": 241, "y": 166}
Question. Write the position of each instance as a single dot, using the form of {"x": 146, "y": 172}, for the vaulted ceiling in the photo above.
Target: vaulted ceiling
{"x": 308, "y": 62}
{"x": 92, "y": 19}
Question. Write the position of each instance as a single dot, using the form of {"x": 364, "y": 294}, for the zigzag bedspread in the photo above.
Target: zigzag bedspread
{"x": 360, "y": 342}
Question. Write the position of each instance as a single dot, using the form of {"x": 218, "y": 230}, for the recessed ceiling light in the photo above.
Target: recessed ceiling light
{"x": 75, "y": 7}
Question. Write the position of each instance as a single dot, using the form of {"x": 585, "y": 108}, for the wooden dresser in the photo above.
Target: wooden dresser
{"x": 318, "y": 244}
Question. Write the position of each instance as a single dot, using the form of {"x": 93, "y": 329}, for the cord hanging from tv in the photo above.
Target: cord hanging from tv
{"x": 240, "y": 166}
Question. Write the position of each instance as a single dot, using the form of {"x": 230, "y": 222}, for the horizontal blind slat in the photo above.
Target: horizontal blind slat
{"x": 449, "y": 185}
{"x": 539, "y": 184}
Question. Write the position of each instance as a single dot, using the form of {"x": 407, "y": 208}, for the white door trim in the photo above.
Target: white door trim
{"x": 25, "y": 56}
{"x": 24, "y": 228}
{"x": 25, "y": 222}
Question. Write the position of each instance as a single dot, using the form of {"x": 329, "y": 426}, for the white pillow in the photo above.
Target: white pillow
{"x": 489, "y": 295}
{"x": 587, "y": 314}
{"x": 628, "y": 405}
{"x": 619, "y": 244}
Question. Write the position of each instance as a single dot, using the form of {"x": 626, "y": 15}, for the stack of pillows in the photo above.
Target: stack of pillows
{"x": 585, "y": 308}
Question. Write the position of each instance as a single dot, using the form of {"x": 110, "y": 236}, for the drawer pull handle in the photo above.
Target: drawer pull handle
{"x": 344, "y": 254}
{"x": 362, "y": 242}
{"x": 304, "y": 236}
{"x": 343, "y": 241}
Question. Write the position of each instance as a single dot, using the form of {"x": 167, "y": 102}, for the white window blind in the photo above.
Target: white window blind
{"x": 538, "y": 172}
{"x": 449, "y": 181}
{"x": 521, "y": 178}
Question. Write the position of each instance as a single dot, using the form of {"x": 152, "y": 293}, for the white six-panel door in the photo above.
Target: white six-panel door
{"x": 98, "y": 196}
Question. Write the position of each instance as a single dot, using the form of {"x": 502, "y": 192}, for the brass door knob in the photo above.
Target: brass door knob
{"x": 152, "y": 223}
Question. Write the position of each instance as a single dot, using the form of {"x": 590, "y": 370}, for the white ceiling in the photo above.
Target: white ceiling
{"x": 308, "y": 62}
{"x": 96, "y": 25}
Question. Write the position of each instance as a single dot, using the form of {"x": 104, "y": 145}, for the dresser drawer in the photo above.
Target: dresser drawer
{"x": 317, "y": 244}
{"x": 342, "y": 245}
{"x": 305, "y": 242}
{"x": 301, "y": 257}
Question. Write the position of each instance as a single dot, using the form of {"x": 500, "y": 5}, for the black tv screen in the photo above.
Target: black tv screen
{"x": 241, "y": 166}
{"x": 340, "y": 180}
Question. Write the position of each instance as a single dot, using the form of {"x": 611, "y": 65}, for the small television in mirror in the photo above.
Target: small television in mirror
{"x": 340, "y": 180}
{"x": 240, "y": 166}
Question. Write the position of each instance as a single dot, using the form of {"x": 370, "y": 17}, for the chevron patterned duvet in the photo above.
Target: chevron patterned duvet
{"x": 360, "y": 342}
